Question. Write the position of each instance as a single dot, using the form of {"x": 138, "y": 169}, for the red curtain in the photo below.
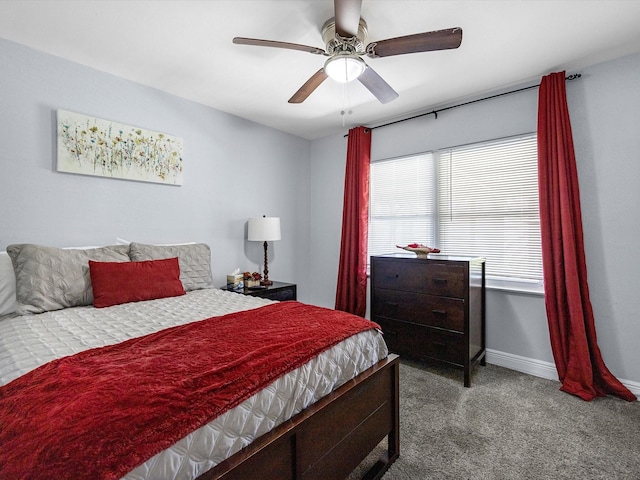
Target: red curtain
{"x": 570, "y": 316}
{"x": 351, "y": 293}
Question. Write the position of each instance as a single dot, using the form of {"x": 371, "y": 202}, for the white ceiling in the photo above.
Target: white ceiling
{"x": 185, "y": 48}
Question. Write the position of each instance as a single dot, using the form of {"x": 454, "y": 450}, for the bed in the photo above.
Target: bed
{"x": 319, "y": 418}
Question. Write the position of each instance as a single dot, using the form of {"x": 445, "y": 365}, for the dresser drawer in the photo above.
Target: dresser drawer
{"x": 423, "y": 343}
{"x": 421, "y": 276}
{"x": 443, "y": 312}
{"x": 445, "y": 346}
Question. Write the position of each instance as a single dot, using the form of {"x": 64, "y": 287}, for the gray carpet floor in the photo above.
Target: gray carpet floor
{"x": 509, "y": 425}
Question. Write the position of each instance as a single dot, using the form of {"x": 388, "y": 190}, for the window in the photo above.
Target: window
{"x": 479, "y": 199}
{"x": 401, "y": 203}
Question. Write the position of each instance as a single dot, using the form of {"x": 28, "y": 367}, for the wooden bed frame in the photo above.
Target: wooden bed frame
{"x": 329, "y": 439}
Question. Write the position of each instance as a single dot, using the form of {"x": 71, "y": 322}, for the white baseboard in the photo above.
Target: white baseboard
{"x": 531, "y": 366}
{"x": 633, "y": 386}
{"x": 539, "y": 368}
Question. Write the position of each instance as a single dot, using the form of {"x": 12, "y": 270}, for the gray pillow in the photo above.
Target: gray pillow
{"x": 50, "y": 278}
{"x": 194, "y": 260}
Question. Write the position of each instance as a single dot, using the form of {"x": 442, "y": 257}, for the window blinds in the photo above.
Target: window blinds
{"x": 401, "y": 203}
{"x": 488, "y": 205}
{"x": 479, "y": 199}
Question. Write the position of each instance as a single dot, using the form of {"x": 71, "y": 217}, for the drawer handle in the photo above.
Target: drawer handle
{"x": 439, "y": 312}
{"x": 439, "y": 280}
{"x": 440, "y": 344}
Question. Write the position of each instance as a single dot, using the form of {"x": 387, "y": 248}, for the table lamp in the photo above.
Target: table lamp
{"x": 264, "y": 229}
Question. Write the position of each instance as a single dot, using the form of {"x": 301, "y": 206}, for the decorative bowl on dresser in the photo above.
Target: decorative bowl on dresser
{"x": 431, "y": 309}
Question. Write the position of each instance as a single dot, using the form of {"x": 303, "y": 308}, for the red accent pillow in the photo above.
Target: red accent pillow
{"x": 114, "y": 283}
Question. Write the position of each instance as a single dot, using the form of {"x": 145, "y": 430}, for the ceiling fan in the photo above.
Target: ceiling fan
{"x": 344, "y": 36}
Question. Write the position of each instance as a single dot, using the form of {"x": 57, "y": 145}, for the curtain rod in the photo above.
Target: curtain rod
{"x": 574, "y": 76}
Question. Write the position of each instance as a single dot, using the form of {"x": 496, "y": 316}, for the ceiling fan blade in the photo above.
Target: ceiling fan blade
{"x": 420, "y": 42}
{"x": 347, "y": 13}
{"x": 309, "y": 86}
{"x": 276, "y": 44}
{"x": 376, "y": 85}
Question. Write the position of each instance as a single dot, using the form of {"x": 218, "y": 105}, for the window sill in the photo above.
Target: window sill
{"x": 526, "y": 288}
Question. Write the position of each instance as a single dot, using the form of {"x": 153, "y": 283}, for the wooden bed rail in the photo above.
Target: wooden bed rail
{"x": 329, "y": 439}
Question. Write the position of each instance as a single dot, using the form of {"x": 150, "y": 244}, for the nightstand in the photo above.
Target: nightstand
{"x": 278, "y": 291}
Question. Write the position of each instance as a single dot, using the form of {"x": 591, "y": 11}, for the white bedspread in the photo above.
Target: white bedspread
{"x": 30, "y": 341}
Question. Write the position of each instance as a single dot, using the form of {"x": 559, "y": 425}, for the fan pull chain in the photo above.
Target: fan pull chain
{"x": 346, "y": 103}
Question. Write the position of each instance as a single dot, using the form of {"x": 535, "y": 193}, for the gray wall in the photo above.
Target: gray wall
{"x": 233, "y": 170}
{"x": 604, "y": 106}
{"x": 605, "y": 116}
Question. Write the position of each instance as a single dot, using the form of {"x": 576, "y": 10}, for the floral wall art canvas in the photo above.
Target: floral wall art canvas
{"x": 92, "y": 146}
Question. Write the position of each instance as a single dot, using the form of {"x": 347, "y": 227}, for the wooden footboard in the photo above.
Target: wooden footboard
{"x": 329, "y": 439}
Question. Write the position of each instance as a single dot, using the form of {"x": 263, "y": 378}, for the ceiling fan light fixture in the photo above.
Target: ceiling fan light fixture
{"x": 344, "y": 68}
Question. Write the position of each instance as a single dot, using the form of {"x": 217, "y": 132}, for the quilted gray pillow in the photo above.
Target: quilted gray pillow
{"x": 194, "y": 260}
{"x": 50, "y": 278}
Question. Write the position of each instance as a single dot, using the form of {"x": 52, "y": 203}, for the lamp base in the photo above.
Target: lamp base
{"x": 266, "y": 281}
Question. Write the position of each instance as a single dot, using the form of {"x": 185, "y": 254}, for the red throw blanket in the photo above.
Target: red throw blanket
{"x": 102, "y": 412}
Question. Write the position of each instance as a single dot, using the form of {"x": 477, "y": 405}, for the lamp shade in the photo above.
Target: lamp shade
{"x": 263, "y": 229}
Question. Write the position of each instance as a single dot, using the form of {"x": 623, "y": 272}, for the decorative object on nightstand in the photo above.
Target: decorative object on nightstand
{"x": 265, "y": 229}
{"x": 252, "y": 279}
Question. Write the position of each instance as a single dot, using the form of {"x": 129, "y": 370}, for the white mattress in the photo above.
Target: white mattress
{"x": 29, "y": 341}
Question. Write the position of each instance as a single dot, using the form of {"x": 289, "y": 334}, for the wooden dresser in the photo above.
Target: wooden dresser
{"x": 431, "y": 309}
